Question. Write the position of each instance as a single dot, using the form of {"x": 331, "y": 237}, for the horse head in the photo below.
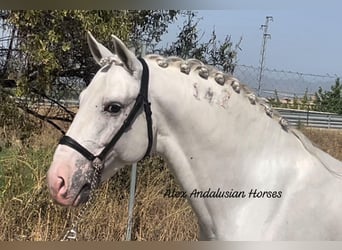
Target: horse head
{"x": 110, "y": 125}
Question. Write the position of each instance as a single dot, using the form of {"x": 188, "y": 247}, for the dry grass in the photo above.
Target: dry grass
{"x": 26, "y": 212}
{"x": 329, "y": 140}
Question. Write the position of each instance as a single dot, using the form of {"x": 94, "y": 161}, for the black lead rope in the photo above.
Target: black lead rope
{"x": 140, "y": 102}
{"x": 147, "y": 105}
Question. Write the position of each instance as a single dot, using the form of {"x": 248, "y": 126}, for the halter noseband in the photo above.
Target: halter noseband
{"x": 140, "y": 101}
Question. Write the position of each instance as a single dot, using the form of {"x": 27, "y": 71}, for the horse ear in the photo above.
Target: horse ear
{"x": 97, "y": 49}
{"x": 126, "y": 56}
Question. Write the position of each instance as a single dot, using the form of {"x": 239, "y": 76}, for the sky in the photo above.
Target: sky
{"x": 306, "y": 36}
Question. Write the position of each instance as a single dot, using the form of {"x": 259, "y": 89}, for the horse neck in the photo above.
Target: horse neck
{"x": 194, "y": 133}
{"x": 208, "y": 146}
{"x": 236, "y": 146}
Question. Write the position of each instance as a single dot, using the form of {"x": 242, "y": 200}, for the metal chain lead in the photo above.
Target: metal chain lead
{"x": 71, "y": 234}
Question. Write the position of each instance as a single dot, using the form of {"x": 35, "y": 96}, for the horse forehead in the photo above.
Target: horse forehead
{"x": 110, "y": 80}
{"x": 111, "y": 74}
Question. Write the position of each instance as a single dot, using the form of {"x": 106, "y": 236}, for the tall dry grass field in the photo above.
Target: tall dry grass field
{"x": 27, "y": 213}
{"x": 329, "y": 140}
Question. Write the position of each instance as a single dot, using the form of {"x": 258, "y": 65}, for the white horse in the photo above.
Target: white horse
{"x": 246, "y": 174}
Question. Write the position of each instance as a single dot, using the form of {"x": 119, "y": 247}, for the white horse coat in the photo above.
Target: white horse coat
{"x": 246, "y": 175}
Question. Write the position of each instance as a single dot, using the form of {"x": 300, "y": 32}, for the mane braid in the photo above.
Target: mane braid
{"x": 221, "y": 78}
{"x": 210, "y": 72}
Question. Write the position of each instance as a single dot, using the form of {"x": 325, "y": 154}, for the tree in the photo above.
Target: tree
{"x": 51, "y": 60}
{"x": 53, "y": 44}
{"x": 305, "y": 99}
{"x": 330, "y": 101}
{"x": 295, "y": 104}
{"x": 223, "y": 55}
{"x": 187, "y": 44}
{"x": 275, "y": 101}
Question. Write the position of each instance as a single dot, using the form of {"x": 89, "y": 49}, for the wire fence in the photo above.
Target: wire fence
{"x": 287, "y": 83}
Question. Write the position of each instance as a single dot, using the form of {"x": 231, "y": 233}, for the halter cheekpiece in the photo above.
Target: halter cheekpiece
{"x": 140, "y": 102}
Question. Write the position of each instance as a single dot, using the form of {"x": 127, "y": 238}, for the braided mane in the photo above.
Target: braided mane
{"x": 209, "y": 72}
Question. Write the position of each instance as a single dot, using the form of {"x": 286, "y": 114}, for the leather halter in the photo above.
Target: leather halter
{"x": 140, "y": 102}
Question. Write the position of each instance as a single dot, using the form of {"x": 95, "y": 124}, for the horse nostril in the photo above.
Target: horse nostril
{"x": 60, "y": 183}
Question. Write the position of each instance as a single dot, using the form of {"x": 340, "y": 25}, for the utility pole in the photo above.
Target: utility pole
{"x": 130, "y": 222}
{"x": 265, "y": 37}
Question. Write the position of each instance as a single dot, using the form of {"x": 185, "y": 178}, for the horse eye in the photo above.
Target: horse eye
{"x": 113, "y": 108}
